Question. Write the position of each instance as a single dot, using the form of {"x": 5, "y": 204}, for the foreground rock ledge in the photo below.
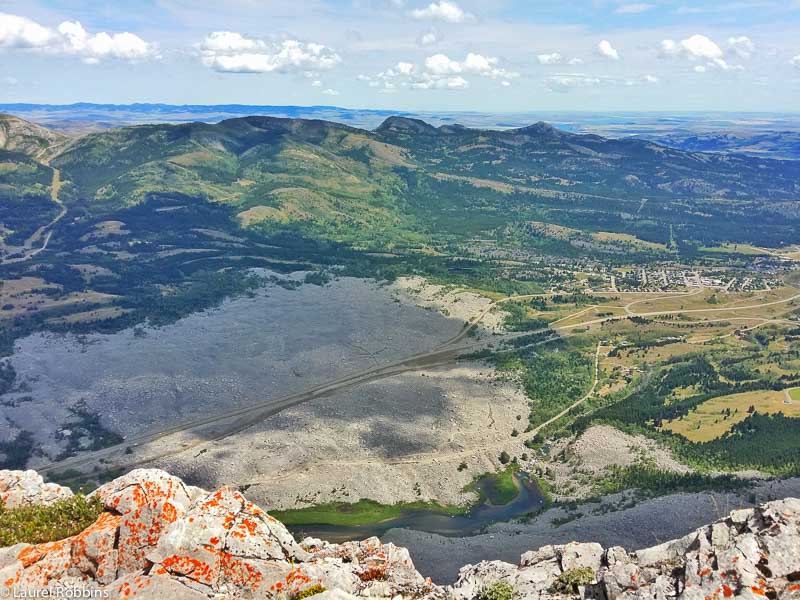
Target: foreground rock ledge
{"x": 159, "y": 538}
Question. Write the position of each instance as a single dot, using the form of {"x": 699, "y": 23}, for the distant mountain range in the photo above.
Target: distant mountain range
{"x": 408, "y": 182}
{"x": 769, "y": 135}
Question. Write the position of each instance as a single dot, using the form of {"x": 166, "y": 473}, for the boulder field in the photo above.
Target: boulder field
{"x": 160, "y": 538}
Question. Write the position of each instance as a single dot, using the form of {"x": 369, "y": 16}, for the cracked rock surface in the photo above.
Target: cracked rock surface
{"x": 159, "y": 538}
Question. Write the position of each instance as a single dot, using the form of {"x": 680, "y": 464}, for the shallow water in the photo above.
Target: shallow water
{"x": 530, "y": 499}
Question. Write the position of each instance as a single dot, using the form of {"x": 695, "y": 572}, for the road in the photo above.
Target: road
{"x": 223, "y": 425}
{"x": 45, "y": 232}
{"x": 577, "y": 403}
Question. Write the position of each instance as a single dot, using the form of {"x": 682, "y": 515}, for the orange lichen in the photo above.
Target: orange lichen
{"x": 190, "y": 567}
{"x": 374, "y": 573}
{"x": 239, "y": 572}
{"x": 296, "y": 576}
{"x": 169, "y": 513}
{"x": 33, "y": 554}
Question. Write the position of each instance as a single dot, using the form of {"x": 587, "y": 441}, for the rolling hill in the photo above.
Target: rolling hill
{"x": 407, "y": 180}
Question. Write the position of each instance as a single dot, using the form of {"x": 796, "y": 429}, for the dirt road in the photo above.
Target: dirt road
{"x": 44, "y": 232}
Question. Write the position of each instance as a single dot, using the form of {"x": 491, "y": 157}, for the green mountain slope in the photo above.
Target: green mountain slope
{"x": 408, "y": 181}
{"x": 331, "y": 179}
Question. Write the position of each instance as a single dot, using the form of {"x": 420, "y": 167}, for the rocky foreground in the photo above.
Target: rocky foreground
{"x": 160, "y": 538}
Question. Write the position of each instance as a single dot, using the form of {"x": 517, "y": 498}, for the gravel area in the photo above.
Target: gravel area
{"x": 448, "y": 300}
{"x": 397, "y": 439}
{"x": 247, "y": 350}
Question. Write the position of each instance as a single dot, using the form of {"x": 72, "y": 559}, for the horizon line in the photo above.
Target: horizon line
{"x": 401, "y": 111}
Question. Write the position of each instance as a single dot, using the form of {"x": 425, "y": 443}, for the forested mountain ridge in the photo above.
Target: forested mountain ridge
{"x": 543, "y": 155}
{"x": 397, "y": 182}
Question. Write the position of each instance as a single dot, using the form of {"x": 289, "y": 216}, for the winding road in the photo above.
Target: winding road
{"x": 44, "y": 232}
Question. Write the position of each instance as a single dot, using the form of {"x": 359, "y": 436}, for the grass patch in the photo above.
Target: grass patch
{"x": 499, "y": 590}
{"x": 363, "y": 512}
{"x": 39, "y": 524}
{"x": 715, "y": 417}
{"x": 729, "y": 248}
{"x": 569, "y": 581}
{"x": 794, "y": 394}
{"x": 497, "y": 488}
{"x": 315, "y": 589}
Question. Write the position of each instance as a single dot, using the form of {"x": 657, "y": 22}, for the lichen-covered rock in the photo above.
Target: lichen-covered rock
{"x": 159, "y": 538}
{"x": 27, "y": 488}
{"x": 148, "y": 501}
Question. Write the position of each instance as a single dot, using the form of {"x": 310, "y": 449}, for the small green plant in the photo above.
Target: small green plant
{"x": 39, "y": 524}
{"x": 315, "y": 589}
{"x": 499, "y": 590}
{"x": 569, "y": 581}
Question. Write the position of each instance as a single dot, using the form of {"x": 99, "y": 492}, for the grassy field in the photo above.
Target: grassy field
{"x": 363, "y": 512}
{"x": 605, "y": 236}
{"x": 498, "y": 488}
{"x": 794, "y": 394}
{"x": 745, "y": 249}
{"x": 708, "y": 422}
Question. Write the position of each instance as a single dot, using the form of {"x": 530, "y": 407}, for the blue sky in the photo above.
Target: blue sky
{"x": 501, "y": 55}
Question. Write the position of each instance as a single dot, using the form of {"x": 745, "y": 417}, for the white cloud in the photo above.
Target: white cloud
{"x": 701, "y": 48}
{"x": 71, "y": 38}
{"x": 441, "y": 64}
{"x": 94, "y": 48}
{"x": 316, "y": 83}
{"x": 575, "y": 61}
{"x": 19, "y": 32}
{"x": 604, "y": 48}
{"x": 231, "y": 52}
{"x": 696, "y": 46}
{"x": 549, "y": 59}
{"x": 330, "y": 92}
{"x": 439, "y": 71}
{"x": 566, "y": 82}
{"x": 427, "y": 81}
{"x": 725, "y": 66}
{"x": 444, "y": 10}
{"x": 633, "y": 9}
{"x": 230, "y": 41}
{"x": 429, "y": 37}
{"x": 742, "y": 46}
{"x": 795, "y": 61}
{"x": 405, "y": 68}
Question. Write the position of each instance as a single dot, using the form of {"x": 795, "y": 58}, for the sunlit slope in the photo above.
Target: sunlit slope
{"x": 326, "y": 177}
{"x": 18, "y": 135}
{"x": 408, "y": 181}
